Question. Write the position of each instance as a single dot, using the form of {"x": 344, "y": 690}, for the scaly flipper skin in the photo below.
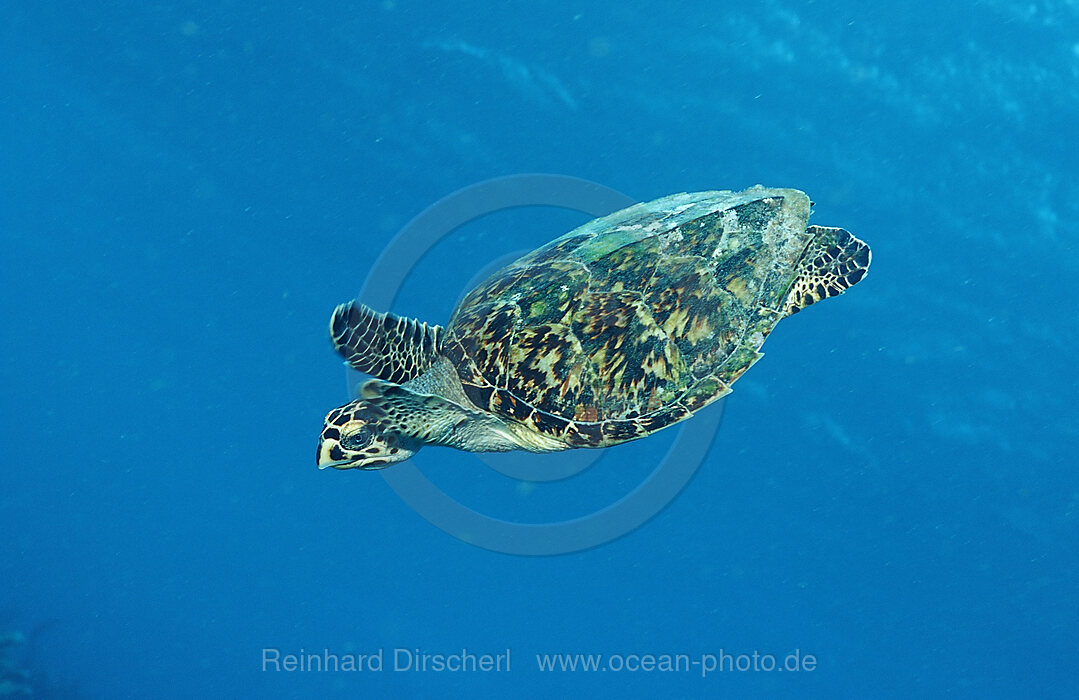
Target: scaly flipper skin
{"x": 384, "y": 345}
{"x": 833, "y": 263}
{"x": 421, "y": 416}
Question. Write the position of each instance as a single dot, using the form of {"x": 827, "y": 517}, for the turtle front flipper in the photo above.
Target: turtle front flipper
{"x": 425, "y": 417}
{"x": 833, "y": 262}
{"x": 435, "y": 420}
{"x": 383, "y": 345}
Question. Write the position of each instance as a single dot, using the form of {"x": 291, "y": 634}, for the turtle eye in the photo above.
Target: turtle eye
{"x": 357, "y": 440}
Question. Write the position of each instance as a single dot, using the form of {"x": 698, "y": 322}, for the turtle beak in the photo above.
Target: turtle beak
{"x": 339, "y": 464}
{"x": 344, "y": 464}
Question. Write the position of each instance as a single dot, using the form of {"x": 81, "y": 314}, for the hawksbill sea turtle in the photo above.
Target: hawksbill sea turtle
{"x": 619, "y": 328}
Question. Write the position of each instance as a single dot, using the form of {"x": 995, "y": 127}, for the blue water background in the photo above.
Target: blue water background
{"x": 187, "y": 190}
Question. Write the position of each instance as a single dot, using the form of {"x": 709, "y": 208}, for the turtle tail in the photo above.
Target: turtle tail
{"x": 833, "y": 262}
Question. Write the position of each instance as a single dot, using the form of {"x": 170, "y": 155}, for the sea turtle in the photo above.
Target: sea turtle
{"x": 617, "y": 329}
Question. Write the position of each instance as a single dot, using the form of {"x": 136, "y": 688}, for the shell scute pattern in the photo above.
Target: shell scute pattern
{"x": 558, "y": 249}
{"x": 487, "y": 345}
{"x": 546, "y": 368}
{"x": 629, "y": 267}
{"x": 613, "y": 333}
{"x": 632, "y": 357}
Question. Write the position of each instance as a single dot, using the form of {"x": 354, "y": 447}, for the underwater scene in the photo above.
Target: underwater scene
{"x": 683, "y": 435}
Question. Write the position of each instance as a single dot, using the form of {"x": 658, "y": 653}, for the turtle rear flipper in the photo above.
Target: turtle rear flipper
{"x": 833, "y": 263}
{"x": 383, "y": 345}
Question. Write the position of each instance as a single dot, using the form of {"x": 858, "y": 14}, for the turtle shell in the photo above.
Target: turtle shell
{"x": 633, "y": 321}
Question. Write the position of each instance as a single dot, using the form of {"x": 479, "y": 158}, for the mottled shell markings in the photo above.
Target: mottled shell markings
{"x": 641, "y": 322}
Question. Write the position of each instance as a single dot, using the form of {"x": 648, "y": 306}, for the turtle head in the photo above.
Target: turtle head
{"x": 358, "y": 436}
